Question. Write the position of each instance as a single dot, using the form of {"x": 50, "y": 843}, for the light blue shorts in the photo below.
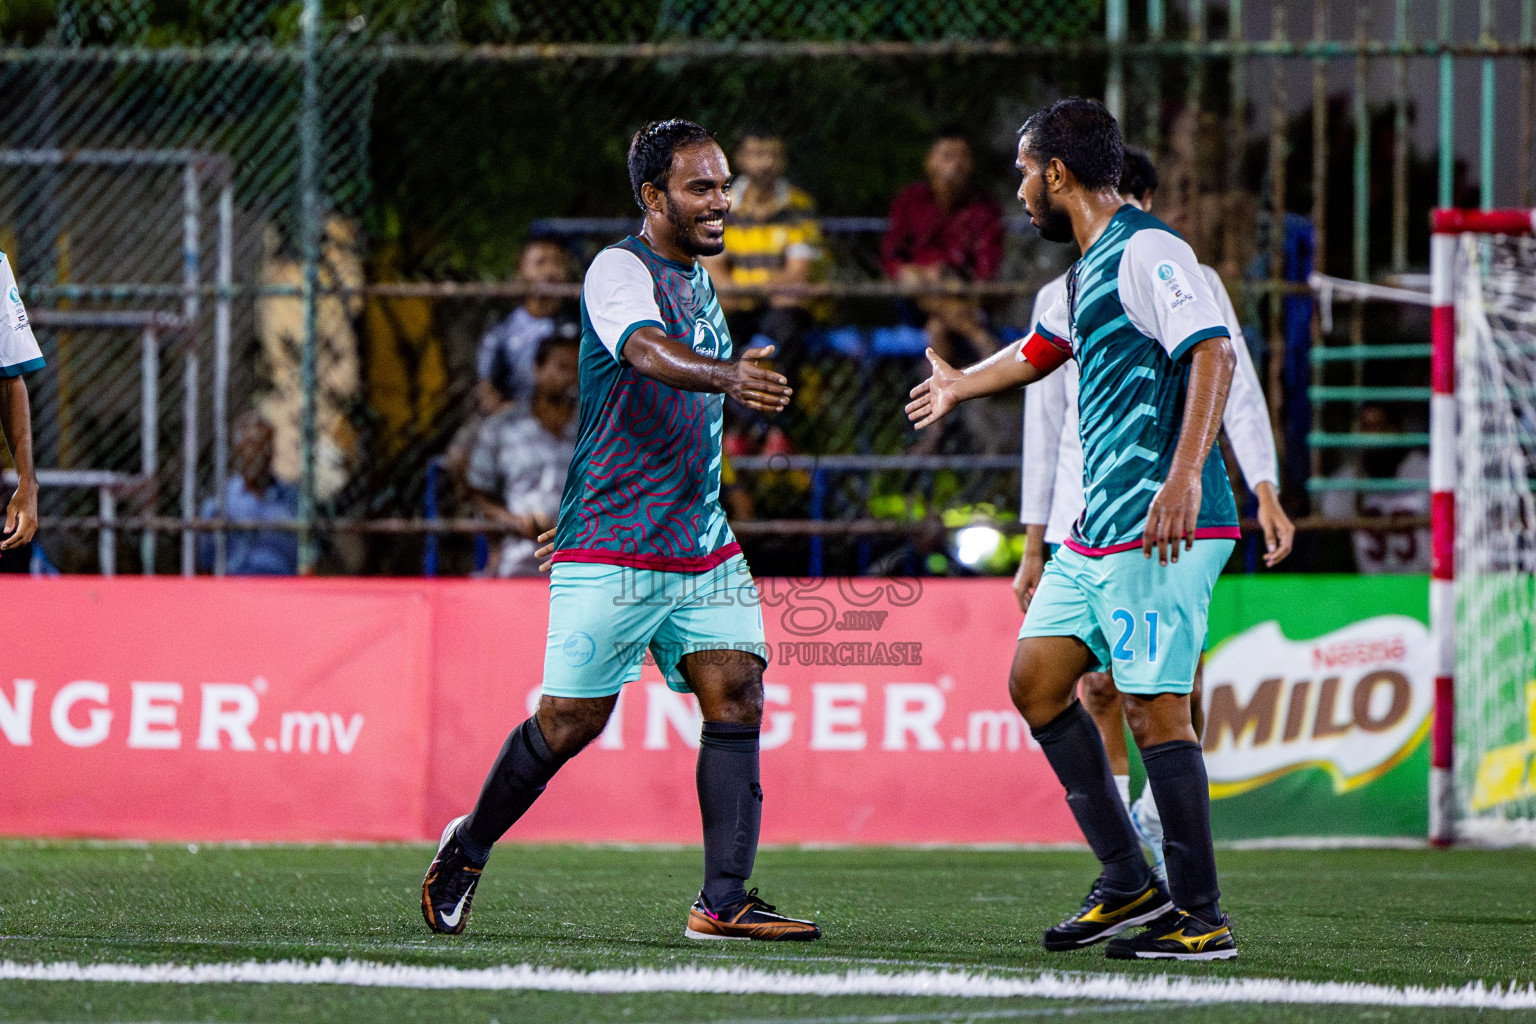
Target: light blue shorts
{"x": 1143, "y": 622}
{"x": 603, "y": 619}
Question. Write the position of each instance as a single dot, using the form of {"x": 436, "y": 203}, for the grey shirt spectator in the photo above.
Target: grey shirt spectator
{"x": 517, "y": 458}
{"x": 518, "y": 467}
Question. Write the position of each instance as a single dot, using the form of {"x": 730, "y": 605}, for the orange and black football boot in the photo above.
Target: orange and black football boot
{"x": 450, "y": 884}
{"x": 752, "y": 919}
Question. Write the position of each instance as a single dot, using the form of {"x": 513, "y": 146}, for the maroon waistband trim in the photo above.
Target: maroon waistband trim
{"x": 661, "y": 563}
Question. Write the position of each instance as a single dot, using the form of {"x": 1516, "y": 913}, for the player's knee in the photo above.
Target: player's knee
{"x": 729, "y": 687}
{"x": 1034, "y": 689}
{"x": 569, "y": 725}
{"x": 1098, "y": 693}
{"x": 1036, "y": 707}
{"x": 1137, "y": 718}
{"x": 1162, "y": 718}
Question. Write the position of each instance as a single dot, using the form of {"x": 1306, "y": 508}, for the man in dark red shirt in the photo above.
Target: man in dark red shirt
{"x": 944, "y": 222}
{"x": 946, "y": 229}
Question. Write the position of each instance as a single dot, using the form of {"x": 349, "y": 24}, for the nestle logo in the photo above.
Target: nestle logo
{"x": 1346, "y": 653}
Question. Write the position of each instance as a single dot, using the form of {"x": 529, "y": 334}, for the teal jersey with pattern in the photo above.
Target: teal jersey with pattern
{"x": 1136, "y": 304}
{"x": 644, "y": 485}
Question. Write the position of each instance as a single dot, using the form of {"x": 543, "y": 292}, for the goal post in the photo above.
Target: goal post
{"x": 1482, "y": 418}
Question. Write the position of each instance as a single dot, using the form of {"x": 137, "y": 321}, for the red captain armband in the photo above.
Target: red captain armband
{"x": 1044, "y": 353}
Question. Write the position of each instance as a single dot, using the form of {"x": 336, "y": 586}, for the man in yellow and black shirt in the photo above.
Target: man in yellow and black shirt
{"x": 771, "y": 238}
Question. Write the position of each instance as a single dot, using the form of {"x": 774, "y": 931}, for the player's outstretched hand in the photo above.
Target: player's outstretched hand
{"x": 1173, "y": 516}
{"x": 1028, "y": 577}
{"x": 1278, "y": 529}
{"x": 546, "y": 550}
{"x": 935, "y": 397}
{"x": 20, "y": 516}
{"x": 756, "y": 388}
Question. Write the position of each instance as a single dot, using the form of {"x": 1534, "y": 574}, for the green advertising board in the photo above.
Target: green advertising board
{"x": 1318, "y": 692}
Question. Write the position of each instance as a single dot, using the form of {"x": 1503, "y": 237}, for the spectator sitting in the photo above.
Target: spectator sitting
{"x": 945, "y": 229}
{"x": 1385, "y": 551}
{"x": 504, "y": 362}
{"x": 944, "y": 221}
{"x": 771, "y": 238}
{"x": 253, "y": 494}
{"x": 518, "y": 468}
{"x": 486, "y": 401}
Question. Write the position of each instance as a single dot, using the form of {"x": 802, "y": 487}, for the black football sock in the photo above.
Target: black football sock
{"x": 1176, "y": 773}
{"x": 1076, "y": 751}
{"x": 519, "y": 774}
{"x": 731, "y": 804}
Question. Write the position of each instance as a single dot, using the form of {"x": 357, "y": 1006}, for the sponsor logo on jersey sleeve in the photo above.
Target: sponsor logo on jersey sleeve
{"x": 1177, "y": 294}
{"x": 18, "y": 311}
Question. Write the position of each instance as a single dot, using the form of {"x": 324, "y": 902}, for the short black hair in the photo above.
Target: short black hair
{"x": 544, "y": 236}
{"x": 1138, "y": 176}
{"x": 650, "y": 151}
{"x": 953, "y": 130}
{"x": 567, "y": 333}
{"x": 756, "y": 130}
{"x": 1083, "y": 135}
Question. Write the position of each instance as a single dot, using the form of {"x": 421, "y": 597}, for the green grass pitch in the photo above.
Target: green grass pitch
{"x": 1389, "y": 917}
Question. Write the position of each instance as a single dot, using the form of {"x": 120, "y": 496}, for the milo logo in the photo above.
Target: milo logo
{"x": 1354, "y": 702}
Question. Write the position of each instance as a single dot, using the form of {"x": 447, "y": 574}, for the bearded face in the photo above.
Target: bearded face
{"x": 696, "y": 232}
{"x": 1051, "y": 220}
{"x": 1048, "y": 218}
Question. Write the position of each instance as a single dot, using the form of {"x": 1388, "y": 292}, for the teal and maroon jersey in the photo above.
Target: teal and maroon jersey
{"x": 1135, "y": 306}
{"x": 644, "y": 485}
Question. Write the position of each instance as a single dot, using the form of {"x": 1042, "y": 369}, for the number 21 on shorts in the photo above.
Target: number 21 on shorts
{"x": 1124, "y": 649}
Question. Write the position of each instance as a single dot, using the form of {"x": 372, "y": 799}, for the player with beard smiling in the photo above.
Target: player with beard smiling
{"x": 643, "y": 557}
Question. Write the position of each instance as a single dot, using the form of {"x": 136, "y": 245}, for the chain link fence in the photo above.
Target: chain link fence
{"x": 314, "y": 210}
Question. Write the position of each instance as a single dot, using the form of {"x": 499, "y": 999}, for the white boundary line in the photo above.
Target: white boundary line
{"x": 743, "y": 980}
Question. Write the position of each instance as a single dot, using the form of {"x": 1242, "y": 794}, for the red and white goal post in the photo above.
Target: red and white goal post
{"x": 1483, "y": 519}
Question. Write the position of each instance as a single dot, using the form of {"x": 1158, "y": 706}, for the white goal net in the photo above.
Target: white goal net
{"x": 1495, "y": 738}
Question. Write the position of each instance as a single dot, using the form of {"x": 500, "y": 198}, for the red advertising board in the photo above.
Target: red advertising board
{"x": 324, "y": 710}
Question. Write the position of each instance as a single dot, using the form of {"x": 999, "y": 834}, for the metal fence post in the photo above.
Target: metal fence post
{"x": 814, "y": 566}
{"x": 1114, "y": 35}
{"x": 1362, "y": 153}
{"x": 1447, "y": 110}
{"x": 1527, "y": 103}
{"x": 1485, "y": 149}
{"x": 1278, "y": 151}
{"x": 1400, "y": 144}
{"x": 189, "y": 464}
{"x": 149, "y": 433}
{"x": 309, "y": 229}
{"x": 1156, "y": 26}
{"x": 191, "y": 274}
{"x": 221, "y": 342}
{"x": 106, "y": 539}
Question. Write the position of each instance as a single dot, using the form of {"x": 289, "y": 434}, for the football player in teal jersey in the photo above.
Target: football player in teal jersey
{"x": 1155, "y": 366}
{"x": 642, "y": 555}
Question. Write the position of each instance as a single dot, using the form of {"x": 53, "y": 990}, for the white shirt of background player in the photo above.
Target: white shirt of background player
{"x": 1053, "y": 449}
